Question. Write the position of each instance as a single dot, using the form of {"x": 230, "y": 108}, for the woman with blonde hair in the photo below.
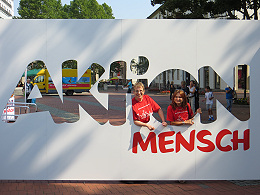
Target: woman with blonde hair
{"x": 179, "y": 112}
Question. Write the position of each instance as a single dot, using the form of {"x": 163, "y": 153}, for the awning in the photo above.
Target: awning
{"x": 32, "y": 72}
{"x": 114, "y": 78}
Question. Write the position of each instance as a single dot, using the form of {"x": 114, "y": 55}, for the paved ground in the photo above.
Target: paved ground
{"x": 117, "y": 187}
{"x": 68, "y": 112}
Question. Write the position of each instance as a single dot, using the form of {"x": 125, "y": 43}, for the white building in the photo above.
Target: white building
{"x": 6, "y": 9}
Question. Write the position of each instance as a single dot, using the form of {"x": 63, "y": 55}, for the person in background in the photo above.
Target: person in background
{"x": 116, "y": 86}
{"x": 28, "y": 86}
{"x": 209, "y": 102}
{"x": 192, "y": 90}
{"x": 229, "y": 98}
{"x": 143, "y": 106}
{"x": 172, "y": 89}
{"x": 179, "y": 112}
{"x": 197, "y": 96}
{"x": 129, "y": 85}
{"x": 168, "y": 85}
{"x": 184, "y": 88}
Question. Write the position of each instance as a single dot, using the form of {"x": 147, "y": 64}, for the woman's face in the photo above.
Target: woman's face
{"x": 178, "y": 99}
{"x": 139, "y": 93}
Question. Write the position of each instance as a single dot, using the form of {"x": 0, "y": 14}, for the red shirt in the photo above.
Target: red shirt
{"x": 142, "y": 110}
{"x": 179, "y": 114}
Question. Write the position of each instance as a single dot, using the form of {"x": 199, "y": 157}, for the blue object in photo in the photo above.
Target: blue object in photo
{"x": 69, "y": 80}
{"x": 84, "y": 80}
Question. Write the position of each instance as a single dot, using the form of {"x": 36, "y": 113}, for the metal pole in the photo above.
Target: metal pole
{"x": 25, "y": 75}
{"x": 244, "y": 73}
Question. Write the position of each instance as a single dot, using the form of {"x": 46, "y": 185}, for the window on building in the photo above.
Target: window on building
{"x": 217, "y": 81}
{"x": 206, "y": 76}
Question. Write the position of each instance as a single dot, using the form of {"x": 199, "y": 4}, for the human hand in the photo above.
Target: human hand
{"x": 164, "y": 124}
{"x": 150, "y": 127}
{"x": 189, "y": 122}
{"x": 199, "y": 110}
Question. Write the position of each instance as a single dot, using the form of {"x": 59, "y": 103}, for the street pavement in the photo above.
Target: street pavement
{"x": 115, "y": 115}
{"x": 68, "y": 111}
{"x": 117, "y": 187}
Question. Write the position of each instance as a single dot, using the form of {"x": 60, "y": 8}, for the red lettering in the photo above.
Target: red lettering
{"x": 245, "y": 141}
{"x": 163, "y": 142}
{"x": 144, "y": 145}
{"x": 189, "y": 145}
{"x": 180, "y": 140}
{"x": 219, "y": 137}
{"x": 200, "y": 137}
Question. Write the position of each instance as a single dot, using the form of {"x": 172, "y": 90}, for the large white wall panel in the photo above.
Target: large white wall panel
{"x": 34, "y": 147}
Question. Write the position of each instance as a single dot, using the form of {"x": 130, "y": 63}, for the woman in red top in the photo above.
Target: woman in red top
{"x": 143, "y": 106}
{"x": 179, "y": 111}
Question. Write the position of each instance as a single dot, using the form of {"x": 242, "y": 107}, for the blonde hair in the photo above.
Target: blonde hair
{"x": 139, "y": 84}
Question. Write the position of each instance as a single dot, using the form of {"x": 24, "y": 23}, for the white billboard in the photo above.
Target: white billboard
{"x": 36, "y": 148}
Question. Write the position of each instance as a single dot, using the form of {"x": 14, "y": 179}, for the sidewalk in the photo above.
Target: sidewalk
{"x": 117, "y": 187}
{"x": 68, "y": 110}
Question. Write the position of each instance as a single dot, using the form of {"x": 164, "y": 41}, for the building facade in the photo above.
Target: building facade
{"x": 6, "y": 9}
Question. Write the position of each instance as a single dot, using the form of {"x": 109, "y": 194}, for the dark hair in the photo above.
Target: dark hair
{"x": 208, "y": 87}
{"x": 182, "y": 94}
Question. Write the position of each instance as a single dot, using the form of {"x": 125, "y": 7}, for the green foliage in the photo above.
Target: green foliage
{"x": 35, "y": 9}
{"x": 208, "y": 9}
{"x": 115, "y": 67}
{"x": 140, "y": 66}
{"x": 108, "y": 11}
{"x": 81, "y": 9}
{"x": 70, "y": 64}
{"x": 242, "y": 6}
{"x": 53, "y": 9}
{"x": 242, "y": 101}
{"x": 37, "y": 64}
{"x": 186, "y": 9}
{"x": 96, "y": 69}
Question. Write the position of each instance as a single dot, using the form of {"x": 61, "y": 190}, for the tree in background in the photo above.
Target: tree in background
{"x": 35, "y": 9}
{"x": 197, "y": 9}
{"x": 108, "y": 11}
{"x": 186, "y": 9}
{"x": 81, "y": 9}
{"x": 248, "y": 8}
{"x": 70, "y": 64}
{"x": 96, "y": 72}
{"x": 115, "y": 67}
{"x": 53, "y": 9}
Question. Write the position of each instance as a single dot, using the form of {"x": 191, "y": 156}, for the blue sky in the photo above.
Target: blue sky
{"x": 122, "y": 9}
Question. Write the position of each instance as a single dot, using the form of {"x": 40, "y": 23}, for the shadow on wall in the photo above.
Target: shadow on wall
{"x": 74, "y": 148}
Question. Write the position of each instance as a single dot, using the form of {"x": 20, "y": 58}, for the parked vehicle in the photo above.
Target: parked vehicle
{"x": 70, "y": 82}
